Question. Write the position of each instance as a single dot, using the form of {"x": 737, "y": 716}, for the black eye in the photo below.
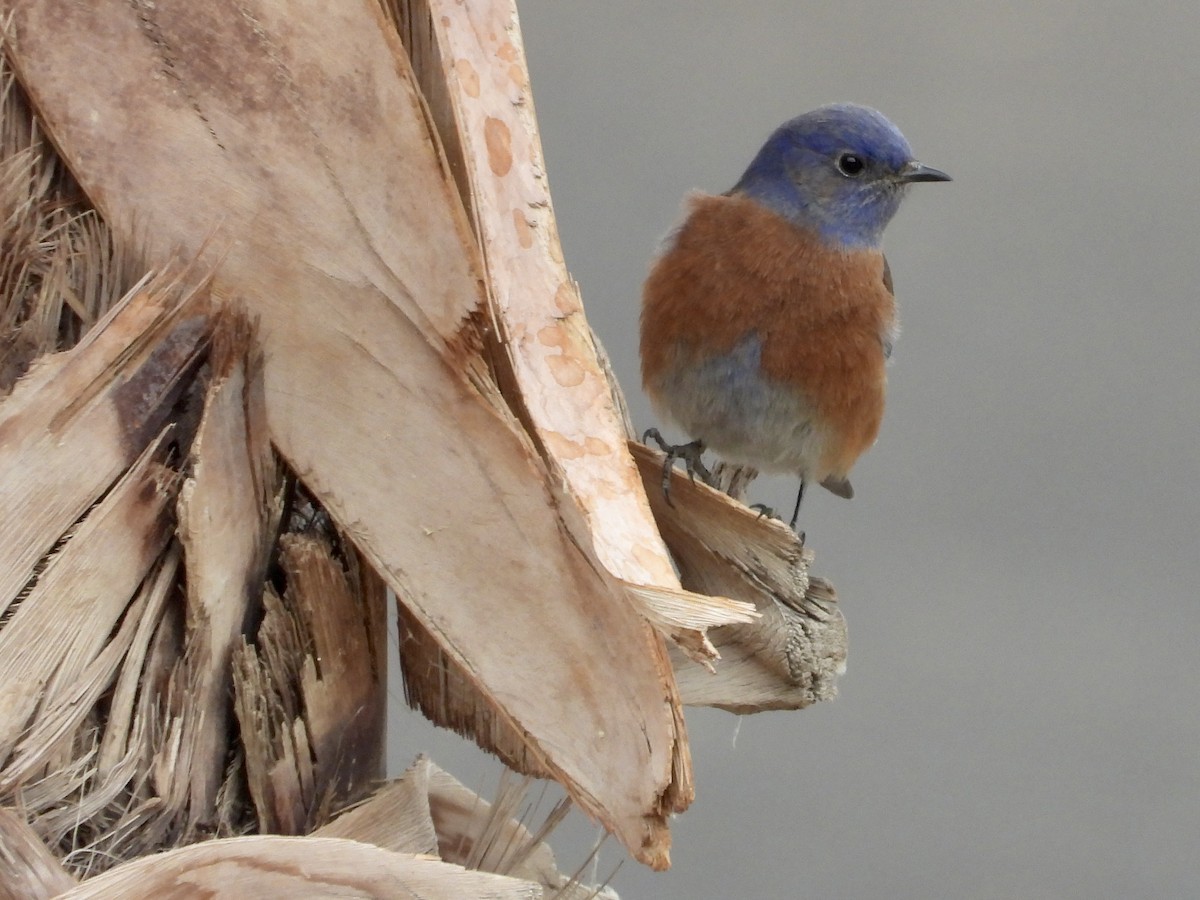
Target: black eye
{"x": 850, "y": 164}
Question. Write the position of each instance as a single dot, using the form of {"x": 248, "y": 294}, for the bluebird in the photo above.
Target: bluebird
{"x": 768, "y": 319}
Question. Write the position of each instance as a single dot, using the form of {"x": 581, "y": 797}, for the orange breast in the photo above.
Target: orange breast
{"x": 735, "y": 268}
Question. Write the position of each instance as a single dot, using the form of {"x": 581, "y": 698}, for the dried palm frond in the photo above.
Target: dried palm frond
{"x": 286, "y": 325}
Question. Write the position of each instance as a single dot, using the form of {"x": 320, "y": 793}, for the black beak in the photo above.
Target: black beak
{"x": 915, "y": 171}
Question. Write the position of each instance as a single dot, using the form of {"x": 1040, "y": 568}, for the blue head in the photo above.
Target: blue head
{"x": 840, "y": 169}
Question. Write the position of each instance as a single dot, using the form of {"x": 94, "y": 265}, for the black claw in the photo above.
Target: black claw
{"x": 764, "y": 511}
{"x": 666, "y": 477}
{"x": 652, "y": 434}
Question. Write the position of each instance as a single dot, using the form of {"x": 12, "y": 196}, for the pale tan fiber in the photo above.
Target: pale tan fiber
{"x": 791, "y": 655}
{"x": 283, "y": 867}
{"x": 88, "y": 412}
{"x": 228, "y": 511}
{"x": 485, "y": 115}
{"x": 28, "y": 870}
{"x": 310, "y": 690}
{"x": 395, "y": 817}
{"x": 428, "y": 810}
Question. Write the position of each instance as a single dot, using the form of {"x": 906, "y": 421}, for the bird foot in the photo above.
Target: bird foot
{"x": 690, "y": 453}
{"x": 765, "y": 512}
{"x": 769, "y": 512}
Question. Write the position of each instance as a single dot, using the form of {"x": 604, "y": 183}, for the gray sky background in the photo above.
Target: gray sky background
{"x": 1020, "y": 715}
